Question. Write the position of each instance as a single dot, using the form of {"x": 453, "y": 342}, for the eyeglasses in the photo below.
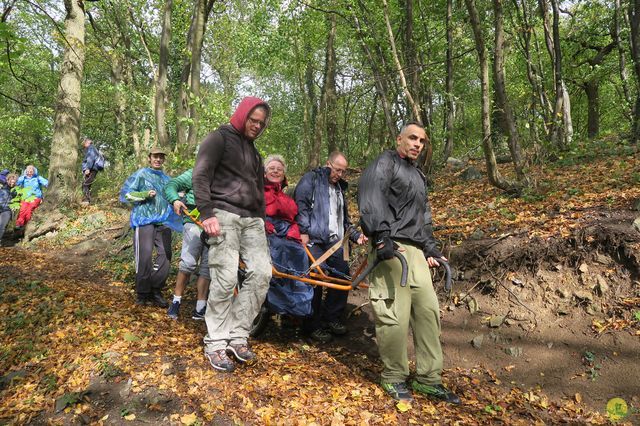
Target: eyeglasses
{"x": 254, "y": 121}
{"x": 339, "y": 172}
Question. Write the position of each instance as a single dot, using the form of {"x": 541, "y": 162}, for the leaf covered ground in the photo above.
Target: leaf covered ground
{"x": 62, "y": 331}
{"x": 76, "y": 349}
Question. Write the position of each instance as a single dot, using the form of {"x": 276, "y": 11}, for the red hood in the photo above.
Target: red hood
{"x": 248, "y": 104}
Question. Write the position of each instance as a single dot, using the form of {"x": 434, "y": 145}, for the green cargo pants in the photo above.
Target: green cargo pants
{"x": 396, "y": 307}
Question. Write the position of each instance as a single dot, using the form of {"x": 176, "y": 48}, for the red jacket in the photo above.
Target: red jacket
{"x": 280, "y": 207}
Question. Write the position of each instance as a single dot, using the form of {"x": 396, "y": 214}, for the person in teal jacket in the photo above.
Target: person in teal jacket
{"x": 152, "y": 219}
{"x": 32, "y": 197}
{"x": 193, "y": 252}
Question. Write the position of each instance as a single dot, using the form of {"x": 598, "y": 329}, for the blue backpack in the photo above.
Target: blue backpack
{"x": 100, "y": 162}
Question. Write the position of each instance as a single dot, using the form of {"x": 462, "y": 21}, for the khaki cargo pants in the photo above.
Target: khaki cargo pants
{"x": 229, "y": 317}
{"x": 395, "y": 308}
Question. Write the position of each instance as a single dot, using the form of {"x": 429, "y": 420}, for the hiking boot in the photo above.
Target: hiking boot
{"x": 156, "y": 299}
{"x": 142, "y": 299}
{"x": 173, "y": 310}
{"x": 220, "y": 361}
{"x": 199, "y": 315}
{"x": 397, "y": 391}
{"x": 242, "y": 352}
{"x": 436, "y": 391}
{"x": 337, "y": 328}
{"x": 320, "y": 335}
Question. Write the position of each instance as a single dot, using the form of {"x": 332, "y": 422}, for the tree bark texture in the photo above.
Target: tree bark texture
{"x": 449, "y": 100}
{"x": 321, "y": 115}
{"x": 495, "y": 178}
{"x": 412, "y": 105}
{"x": 63, "y": 170}
{"x": 500, "y": 87}
{"x": 331, "y": 103}
{"x": 378, "y": 78}
{"x": 634, "y": 23}
{"x": 162, "y": 97}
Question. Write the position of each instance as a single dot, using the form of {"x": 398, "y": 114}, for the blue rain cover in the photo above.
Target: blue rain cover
{"x": 288, "y": 296}
{"x": 156, "y": 210}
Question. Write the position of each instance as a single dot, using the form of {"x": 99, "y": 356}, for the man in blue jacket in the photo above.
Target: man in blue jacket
{"x": 91, "y": 165}
{"x": 323, "y": 219}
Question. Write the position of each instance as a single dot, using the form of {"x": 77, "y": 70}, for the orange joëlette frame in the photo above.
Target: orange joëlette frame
{"x": 315, "y": 277}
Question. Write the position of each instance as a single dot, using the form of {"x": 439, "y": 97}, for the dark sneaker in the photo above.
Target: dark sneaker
{"x": 159, "y": 301}
{"x": 320, "y": 335}
{"x": 220, "y": 361}
{"x": 199, "y": 315}
{"x": 337, "y": 328}
{"x": 242, "y": 352}
{"x": 398, "y": 391}
{"x": 436, "y": 391}
{"x": 142, "y": 299}
{"x": 173, "y": 310}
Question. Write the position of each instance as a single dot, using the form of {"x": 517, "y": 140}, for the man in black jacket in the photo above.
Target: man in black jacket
{"x": 394, "y": 209}
{"x": 229, "y": 191}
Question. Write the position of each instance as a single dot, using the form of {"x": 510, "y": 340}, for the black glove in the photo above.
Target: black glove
{"x": 384, "y": 247}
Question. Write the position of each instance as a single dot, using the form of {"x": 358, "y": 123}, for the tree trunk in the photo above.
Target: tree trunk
{"x": 593, "y": 108}
{"x": 194, "y": 79}
{"x": 182, "y": 108}
{"x": 622, "y": 61}
{"x": 634, "y": 24}
{"x": 118, "y": 82}
{"x": 449, "y": 101}
{"x": 321, "y": 116}
{"x": 378, "y": 78}
{"x": 560, "y": 133}
{"x": 66, "y": 127}
{"x": 534, "y": 75}
{"x": 415, "y": 108}
{"x": 162, "y": 97}
{"x": 509, "y": 122}
{"x": 331, "y": 102}
{"x": 495, "y": 178}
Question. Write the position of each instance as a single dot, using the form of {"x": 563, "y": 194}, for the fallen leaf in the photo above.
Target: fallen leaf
{"x": 189, "y": 419}
{"x": 403, "y": 406}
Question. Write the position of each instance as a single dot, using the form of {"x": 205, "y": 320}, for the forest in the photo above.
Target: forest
{"x": 532, "y": 111}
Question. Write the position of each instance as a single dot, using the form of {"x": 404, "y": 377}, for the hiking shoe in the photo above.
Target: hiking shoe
{"x": 337, "y": 328}
{"x": 397, "y": 391}
{"x": 320, "y": 335}
{"x": 156, "y": 299}
{"x": 173, "y": 310}
{"x": 436, "y": 391}
{"x": 242, "y": 352}
{"x": 220, "y": 361}
{"x": 198, "y": 315}
{"x": 142, "y": 299}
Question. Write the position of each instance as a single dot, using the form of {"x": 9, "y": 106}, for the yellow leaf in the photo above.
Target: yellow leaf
{"x": 403, "y": 406}
{"x": 189, "y": 419}
{"x": 578, "y": 398}
{"x": 286, "y": 377}
{"x": 130, "y": 417}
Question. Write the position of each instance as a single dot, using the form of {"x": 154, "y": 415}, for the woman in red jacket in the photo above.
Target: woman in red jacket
{"x": 287, "y": 253}
{"x": 280, "y": 208}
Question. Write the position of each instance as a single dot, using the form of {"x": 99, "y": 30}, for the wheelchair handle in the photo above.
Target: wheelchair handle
{"x": 447, "y": 273}
{"x": 405, "y": 271}
{"x": 370, "y": 267}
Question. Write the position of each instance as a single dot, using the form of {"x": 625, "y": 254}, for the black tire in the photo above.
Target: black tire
{"x": 259, "y": 324}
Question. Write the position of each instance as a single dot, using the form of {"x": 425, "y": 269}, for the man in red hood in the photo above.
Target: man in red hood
{"x": 228, "y": 182}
